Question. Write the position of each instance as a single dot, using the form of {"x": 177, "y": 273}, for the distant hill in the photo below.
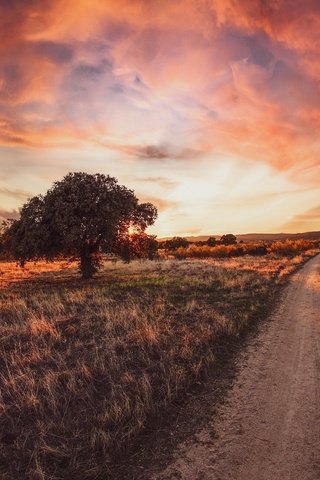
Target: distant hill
{"x": 250, "y": 237}
{"x": 255, "y": 237}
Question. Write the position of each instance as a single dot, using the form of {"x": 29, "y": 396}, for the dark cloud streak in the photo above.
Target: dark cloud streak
{"x": 56, "y": 52}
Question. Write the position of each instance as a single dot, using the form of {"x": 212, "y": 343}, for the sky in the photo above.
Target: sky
{"x": 210, "y": 109}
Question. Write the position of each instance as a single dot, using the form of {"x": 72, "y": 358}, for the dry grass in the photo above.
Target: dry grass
{"x": 85, "y": 364}
{"x": 10, "y": 272}
{"x": 286, "y": 248}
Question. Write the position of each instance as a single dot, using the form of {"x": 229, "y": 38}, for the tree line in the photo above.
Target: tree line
{"x": 182, "y": 242}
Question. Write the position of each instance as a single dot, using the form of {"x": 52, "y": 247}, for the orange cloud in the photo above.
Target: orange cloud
{"x": 307, "y": 221}
{"x": 161, "y": 203}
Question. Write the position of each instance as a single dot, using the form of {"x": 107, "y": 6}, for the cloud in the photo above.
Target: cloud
{"x": 164, "y": 182}
{"x": 15, "y": 193}
{"x": 306, "y": 221}
{"x": 162, "y": 204}
{"x": 135, "y": 84}
{"x": 12, "y": 81}
{"x": 133, "y": 66}
{"x": 250, "y": 78}
{"x": 9, "y": 214}
{"x": 55, "y": 52}
{"x": 161, "y": 152}
{"x": 153, "y": 152}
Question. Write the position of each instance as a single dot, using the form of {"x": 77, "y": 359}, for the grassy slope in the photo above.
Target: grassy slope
{"x": 85, "y": 364}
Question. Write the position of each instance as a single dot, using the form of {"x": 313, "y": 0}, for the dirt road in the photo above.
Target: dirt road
{"x": 269, "y": 426}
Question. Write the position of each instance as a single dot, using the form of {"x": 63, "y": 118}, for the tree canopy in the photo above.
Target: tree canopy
{"x": 211, "y": 242}
{"x": 82, "y": 215}
{"x": 175, "y": 242}
{"x": 228, "y": 239}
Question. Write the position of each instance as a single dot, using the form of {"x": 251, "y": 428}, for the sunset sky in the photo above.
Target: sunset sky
{"x": 208, "y": 108}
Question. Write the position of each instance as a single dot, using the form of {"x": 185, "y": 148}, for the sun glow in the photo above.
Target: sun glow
{"x": 132, "y": 230}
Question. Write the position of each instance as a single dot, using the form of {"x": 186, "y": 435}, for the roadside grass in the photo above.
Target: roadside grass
{"x": 86, "y": 364}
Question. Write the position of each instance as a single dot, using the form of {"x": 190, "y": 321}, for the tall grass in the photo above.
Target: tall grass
{"x": 85, "y": 364}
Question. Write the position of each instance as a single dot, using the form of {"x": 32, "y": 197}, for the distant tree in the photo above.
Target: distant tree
{"x": 211, "y": 242}
{"x": 137, "y": 245}
{"x": 83, "y": 216}
{"x": 228, "y": 239}
{"x": 175, "y": 242}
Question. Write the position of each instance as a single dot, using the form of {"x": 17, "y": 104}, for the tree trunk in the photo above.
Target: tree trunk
{"x": 87, "y": 266}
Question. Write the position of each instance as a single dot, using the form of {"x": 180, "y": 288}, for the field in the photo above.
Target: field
{"x": 86, "y": 364}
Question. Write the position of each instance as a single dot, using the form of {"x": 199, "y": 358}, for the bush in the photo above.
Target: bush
{"x": 290, "y": 248}
{"x": 256, "y": 249}
{"x": 211, "y": 242}
{"x": 286, "y": 248}
{"x": 220, "y": 251}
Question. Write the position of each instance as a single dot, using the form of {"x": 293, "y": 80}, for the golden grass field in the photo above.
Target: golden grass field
{"x": 86, "y": 364}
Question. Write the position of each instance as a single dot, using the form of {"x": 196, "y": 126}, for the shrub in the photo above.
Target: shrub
{"x": 286, "y": 248}
{"x": 211, "y": 242}
{"x": 220, "y": 251}
{"x": 289, "y": 248}
{"x": 256, "y": 249}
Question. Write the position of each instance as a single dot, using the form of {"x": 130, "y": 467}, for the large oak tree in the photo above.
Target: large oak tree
{"x": 82, "y": 215}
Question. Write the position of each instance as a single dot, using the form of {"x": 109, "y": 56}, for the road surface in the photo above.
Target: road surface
{"x": 269, "y": 426}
